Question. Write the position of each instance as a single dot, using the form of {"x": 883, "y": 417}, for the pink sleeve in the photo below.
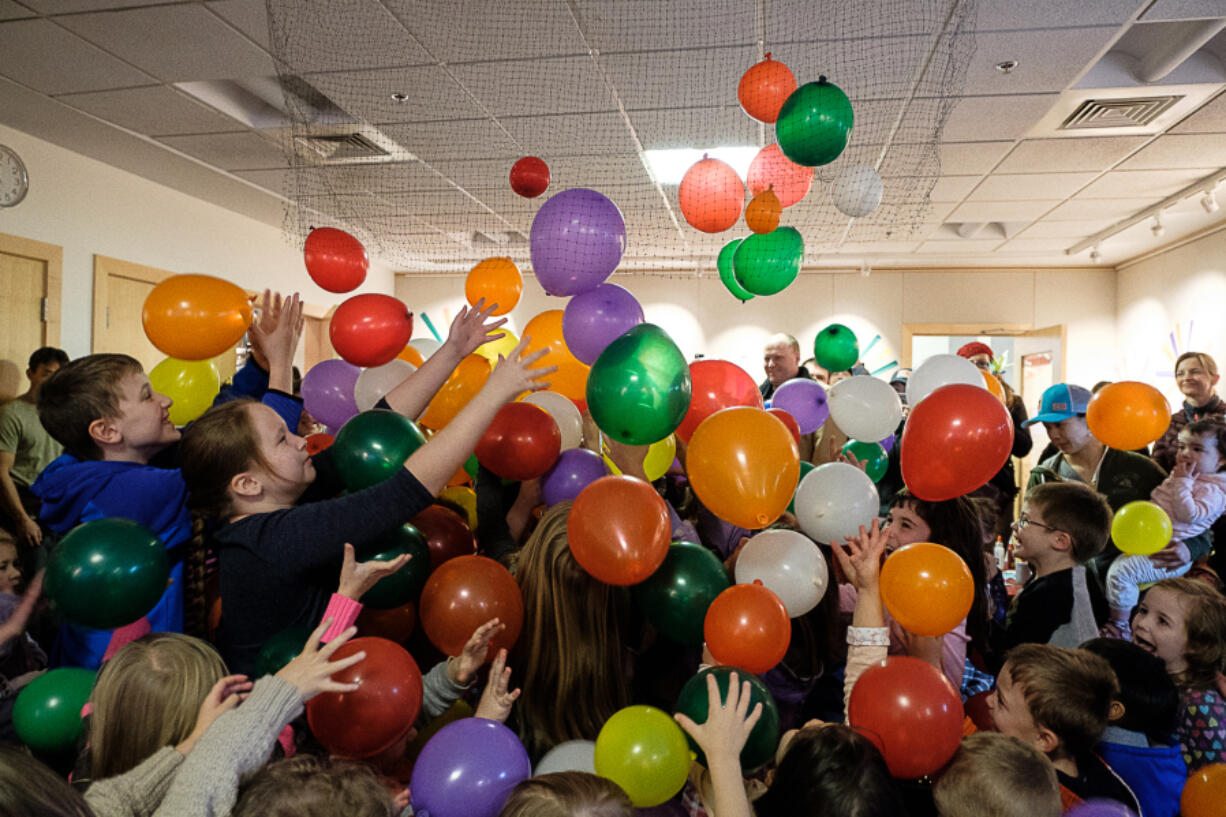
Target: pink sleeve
{"x": 343, "y": 611}
{"x": 127, "y": 634}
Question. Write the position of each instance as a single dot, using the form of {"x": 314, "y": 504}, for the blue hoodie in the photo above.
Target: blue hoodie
{"x": 1156, "y": 774}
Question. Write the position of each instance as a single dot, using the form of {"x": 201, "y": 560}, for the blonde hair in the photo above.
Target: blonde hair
{"x": 148, "y": 696}
{"x": 994, "y": 775}
{"x": 308, "y": 786}
{"x": 1205, "y": 630}
{"x": 1203, "y": 359}
{"x": 567, "y": 794}
{"x": 1067, "y": 691}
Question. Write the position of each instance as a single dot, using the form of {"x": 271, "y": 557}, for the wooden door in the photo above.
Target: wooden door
{"x": 30, "y": 280}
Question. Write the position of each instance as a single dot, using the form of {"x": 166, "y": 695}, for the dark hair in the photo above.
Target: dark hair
{"x": 307, "y": 786}
{"x": 1067, "y": 691}
{"x": 1149, "y": 696}
{"x": 85, "y": 390}
{"x": 47, "y": 355}
{"x": 1205, "y": 627}
{"x": 832, "y": 771}
{"x": 1214, "y": 428}
{"x": 30, "y": 789}
{"x": 1077, "y": 510}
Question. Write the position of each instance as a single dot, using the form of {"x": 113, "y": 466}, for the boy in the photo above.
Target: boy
{"x": 994, "y": 775}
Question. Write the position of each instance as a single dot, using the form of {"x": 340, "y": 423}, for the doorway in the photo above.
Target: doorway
{"x": 31, "y": 275}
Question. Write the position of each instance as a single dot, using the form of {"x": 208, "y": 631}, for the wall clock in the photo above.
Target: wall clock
{"x": 14, "y": 180}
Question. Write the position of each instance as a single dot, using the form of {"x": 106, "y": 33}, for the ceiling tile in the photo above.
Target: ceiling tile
{"x": 695, "y": 79}
{"x": 632, "y": 25}
{"x": 1033, "y": 246}
{"x": 979, "y": 118}
{"x": 997, "y": 15}
{"x": 431, "y": 94}
{"x": 71, "y": 6}
{"x": 1209, "y": 118}
{"x": 424, "y": 202}
{"x": 478, "y": 174}
{"x": 1057, "y": 155}
{"x": 1046, "y": 60}
{"x": 490, "y": 31}
{"x": 1064, "y": 229}
{"x": 966, "y": 246}
{"x": 1183, "y": 10}
{"x": 983, "y": 211}
{"x": 570, "y": 133}
{"x": 351, "y": 34}
{"x": 11, "y": 11}
{"x": 971, "y": 157}
{"x": 696, "y": 128}
{"x": 44, "y": 56}
{"x": 1081, "y": 209}
{"x": 375, "y": 178}
{"x": 858, "y": 65}
{"x": 1030, "y": 187}
{"x": 598, "y": 171}
{"x": 953, "y": 188}
{"x": 155, "y": 110}
{"x": 1125, "y": 184}
{"x": 248, "y": 16}
{"x": 436, "y": 141}
{"x": 1207, "y": 150}
{"x": 539, "y": 86}
{"x": 230, "y": 151}
{"x": 204, "y": 46}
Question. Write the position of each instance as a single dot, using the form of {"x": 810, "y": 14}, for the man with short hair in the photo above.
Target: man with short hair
{"x": 781, "y": 361}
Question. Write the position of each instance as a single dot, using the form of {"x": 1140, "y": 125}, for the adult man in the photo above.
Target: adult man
{"x": 781, "y": 361}
{"x": 25, "y": 450}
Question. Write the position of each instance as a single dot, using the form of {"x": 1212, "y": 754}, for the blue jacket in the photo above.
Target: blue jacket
{"x": 1155, "y": 774}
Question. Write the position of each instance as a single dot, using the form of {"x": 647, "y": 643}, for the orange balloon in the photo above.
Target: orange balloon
{"x": 744, "y": 466}
{"x": 1128, "y": 415}
{"x": 993, "y": 385}
{"x": 411, "y": 355}
{"x": 461, "y": 386}
{"x": 711, "y": 195}
{"x": 545, "y": 331}
{"x": 195, "y": 317}
{"x": 619, "y": 530}
{"x": 763, "y": 212}
{"x": 763, "y": 89}
{"x": 464, "y": 593}
{"x": 747, "y": 626}
{"x": 771, "y": 170}
{"x": 460, "y": 477}
{"x": 318, "y": 442}
{"x": 1205, "y": 792}
{"x": 927, "y": 588}
{"x": 498, "y": 281}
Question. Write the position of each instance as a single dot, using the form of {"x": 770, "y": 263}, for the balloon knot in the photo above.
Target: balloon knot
{"x": 758, "y": 582}
{"x": 821, "y": 80}
{"x": 768, "y": 55}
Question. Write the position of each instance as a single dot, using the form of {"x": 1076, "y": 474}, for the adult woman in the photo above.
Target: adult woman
{"x": 1196, "y": 376}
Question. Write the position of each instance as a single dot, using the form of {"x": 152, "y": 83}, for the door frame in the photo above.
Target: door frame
{"x": 910, "y": 330}
{"x": 53, "y": 256}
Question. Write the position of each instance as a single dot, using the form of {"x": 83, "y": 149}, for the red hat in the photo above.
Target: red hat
{"x": 975, "y": 348}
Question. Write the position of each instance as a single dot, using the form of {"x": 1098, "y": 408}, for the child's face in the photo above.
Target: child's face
{"x": 10, "y": 573}
{"x": 1034, "y": 538}
{"x": 1199, "y": 451}
{"x": 1159, "y": 627}
{"x": 285, "y": 453}
{"x": 1009, "y": 710}
{"x": 904, "y": 527}
{"x": 144, "y": 415}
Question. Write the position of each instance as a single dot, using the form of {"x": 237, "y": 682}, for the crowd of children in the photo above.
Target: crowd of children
{"x": 181, "y": 721}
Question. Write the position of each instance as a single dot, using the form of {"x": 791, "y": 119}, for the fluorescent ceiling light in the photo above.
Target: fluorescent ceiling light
{"x": 669, "y": 166}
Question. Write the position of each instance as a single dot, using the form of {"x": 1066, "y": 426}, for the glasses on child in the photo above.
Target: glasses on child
{"x": 1022, "y": 521}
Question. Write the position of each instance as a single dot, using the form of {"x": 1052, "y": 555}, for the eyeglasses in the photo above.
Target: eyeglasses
{"x": 983, "y": 364}
{"x": 1021, "y": 522}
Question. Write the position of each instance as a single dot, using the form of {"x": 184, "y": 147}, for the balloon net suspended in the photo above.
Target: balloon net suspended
{"x": 405, "y": 118}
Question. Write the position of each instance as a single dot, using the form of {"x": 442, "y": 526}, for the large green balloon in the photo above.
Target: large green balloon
{"x": 280, "y": 649}
{"x": 767, "y": 263}
{"x": 726, "y": 273}
{"x": 814, "y": 123}
{"x": 805, "y": 467}
{"x": 675, "y": 598}
{"x": 372, "y": 446}
{"x": 405, "y": 584}
{"x": 874, "y": 457}
{"x": 47, "y": 712}
{"x": 638, "y": 390}
{"x": 107, "y": 573}
{"x": 694, "y": 701}
{"x": 835, "y": 348}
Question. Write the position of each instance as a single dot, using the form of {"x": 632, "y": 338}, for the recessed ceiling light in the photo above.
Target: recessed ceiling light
{"x": 1006, "y": 67}
{"x": 1209, "y": 201}
{"x": 400, "y": 97}
{"x": 1157, "y": 229}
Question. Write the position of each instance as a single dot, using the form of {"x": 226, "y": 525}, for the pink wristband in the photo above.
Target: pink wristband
{"x": 343, "y": 611}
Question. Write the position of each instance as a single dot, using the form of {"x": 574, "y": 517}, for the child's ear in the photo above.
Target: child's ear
{"x": 105, "y": 432}
{"x": 245, "y": 484}
{"x": 1116, "y": 712}
{"x": 1062, "y": 542}
{"x": 1046, "y": 740}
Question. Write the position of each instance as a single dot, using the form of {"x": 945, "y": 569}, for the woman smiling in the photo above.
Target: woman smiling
{"x": 1196, "y": 376}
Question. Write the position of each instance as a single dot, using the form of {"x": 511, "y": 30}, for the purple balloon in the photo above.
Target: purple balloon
{"x": 577, "y": 240}
{"x": 805, "y": 400}
{"x": 1101, "y": 807}
{"x": 468, "y": 769}
{"x": 887, "y": 443}
{"x": 575, "y": 469}
{"x": 327, "y": 392}
{"x": 594, "y": 319}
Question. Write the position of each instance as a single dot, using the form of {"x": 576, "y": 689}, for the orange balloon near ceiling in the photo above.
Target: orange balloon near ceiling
{"x": 763, "y": 212}
{"x": 195, "y": 317}
{"x": 498, "y": 281}
{"x": 1128, "y": 415}
{"x": 770, "y": 169}
{"x": 461, "y": 386}
{"x": 711, "y": 195}
{"x": 763, "y": 89}
{"x": 408, "y": 353}
{"x": 545, "y": 330}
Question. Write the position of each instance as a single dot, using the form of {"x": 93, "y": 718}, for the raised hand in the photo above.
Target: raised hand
{"x": 226, "y": 694}
{"x": 462, "y": 669}
{"x": 496, "y": 700}
{"x": 15, "y": 625}
{"x": 469, "y": 329}
{"x": 358, "y": 577}
{"x": 728, "y": 723}
{"x": 311, "y": 671}
{"x": 515, "y": 374}
{"x": 860, "y": 558}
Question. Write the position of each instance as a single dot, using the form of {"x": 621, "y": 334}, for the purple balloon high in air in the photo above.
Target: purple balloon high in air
{"x": 594, "y": 319}
{"x": 327, "y": 392}
{"x": 575, "y": 469}
{"x": 805, "y": 400}
{"x": 577, "y": 240}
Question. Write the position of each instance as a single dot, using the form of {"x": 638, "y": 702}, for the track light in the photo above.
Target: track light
{"x": 1158, "y": 230}
{"x": 1209, "y": 201}
{"x": 1095, "y": 255}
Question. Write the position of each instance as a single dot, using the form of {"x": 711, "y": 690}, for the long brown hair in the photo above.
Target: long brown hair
{"x": 570, "y": 653}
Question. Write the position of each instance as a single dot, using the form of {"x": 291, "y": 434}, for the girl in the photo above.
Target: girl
{"x": 1193, "y": 496}
{"x": 21, "y": 659}
{"x": 1183, "y": 622}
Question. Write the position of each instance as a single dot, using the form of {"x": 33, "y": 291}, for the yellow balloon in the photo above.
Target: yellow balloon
{"x": 660, "y": 456}
{"x": 191, "y": 384}
{"x": 1141, "y": 528}
{"x": 498, "y": 346}
{"x": 644, "y": 751}
{"x": 466, "y": 498}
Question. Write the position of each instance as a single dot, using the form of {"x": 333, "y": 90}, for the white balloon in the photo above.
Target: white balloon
{"x": 427, "y": 346}
{"x": 789, "y": 564}
{"x": 564, "y": 413}
{"x": 856, "y": 190}
{"x": 834, "y": 500}
{"x": 571, "y": 756}
{"x": 865, "y": 408}
{"x": 938, "y": 371}
{"x": 374, "y": 383}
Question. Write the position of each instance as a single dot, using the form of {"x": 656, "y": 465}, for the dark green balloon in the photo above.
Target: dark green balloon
{"x": 805, "y": 467}
{"x": 872, "y": 454}
{"x": 695, "y": 700}
{"x": 675, "y": 598}
{"x": 726, "y": 273}
{"x": 107, "y": 573}
{"x": 47, "y": 712}
{"x": 767, "y": 263}
{"x": 638, "y": 390}
{"x": 280, "y": 649}
{"x": 814, "y": 123}
{"x": 470, "y": 467}
{"x": 836, "y": 349}
{"x": 405, "y": 584}
{"x": 372, "y": 446}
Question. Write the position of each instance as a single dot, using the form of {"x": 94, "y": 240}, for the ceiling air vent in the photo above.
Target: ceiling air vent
{"x": 1131, "y": 112}
{"x": 342, "y": 147}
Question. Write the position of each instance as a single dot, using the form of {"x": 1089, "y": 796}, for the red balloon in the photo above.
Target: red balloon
{"x": 447, "y": 534}
{"x": 716, "y": 384}
{"x": 464, "y": 594}
{"x": 771, "y": 170}
{"x": 380, "y": 711}
{"x": 318, "y": 442}
{"x": 619, "y": 530}
{"x": 788, "y": 420}
{"x": 747, "y": 626}
{"x": 529, "y": 177}
{"x": 763, "y": 89}
{"x": 910, "y": 711}
{"x": 711, "y": 195}
{"x": 522, "y": 442}
{"x": 955, "y": 440}
{"x": 371, "y": 329}
{"x": 335, "y": 260}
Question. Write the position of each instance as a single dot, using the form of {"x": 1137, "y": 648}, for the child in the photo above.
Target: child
{"x": 21, "y": 659}
{"x": 1183, "y": 622}
{"x": 307, "y": 786}
{"x": 1194, "y": 496}
{"x": 994, "y": 775}
{"x": 564, "y": 794}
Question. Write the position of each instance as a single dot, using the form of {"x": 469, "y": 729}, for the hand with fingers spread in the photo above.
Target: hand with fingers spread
{"x": 515, "y": 373}
{"x": 721, "y": 738}
{"x": 470, "y": 331}
{"x": 851, "y": 459}
{"x": 462, "y": 668}
{"x": 276, "y": 335}
{"x": 311, "y": 671}
{"x": 359, "y": 577}
{"x": 496, "y": 700}
{"x": 860, "y": 558}
{"x": 226, "y": 694}
{"x": 15, "y": 625}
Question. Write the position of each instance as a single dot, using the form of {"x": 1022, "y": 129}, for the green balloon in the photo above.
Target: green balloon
{"x": 406, "y": 584}
{"x": 470, "y": 467}
{"x": 280, "y": 649}
{"x": 805, "y": 467}
{"x": 726, "y": 274}
{"x": 372, "y": 446}
{"x": 107, "y": 573}
{"x": 47, "y": 712}
{"x": 872, "y": 454}
{"x": 836, "y": 349}
{"x": 814, "y": 123}
{"x": 694, "y": 701}
{"x": 675, "y": 598}
{"x": 638, "y": 390}
{"x": 767, "y": 263}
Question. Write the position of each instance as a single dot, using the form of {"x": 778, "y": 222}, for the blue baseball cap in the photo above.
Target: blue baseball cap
{"x": 1060, "y": 402}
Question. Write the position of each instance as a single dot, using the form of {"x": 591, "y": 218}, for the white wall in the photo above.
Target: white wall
{"x": 89, "y": 208}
